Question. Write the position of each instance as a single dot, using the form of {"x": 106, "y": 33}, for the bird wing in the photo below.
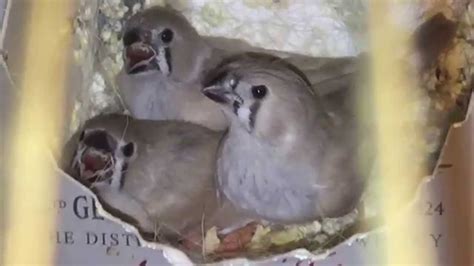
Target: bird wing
{"x": 334, "y": 72}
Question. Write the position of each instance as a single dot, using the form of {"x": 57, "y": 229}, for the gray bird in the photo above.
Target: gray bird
{"x": 284, "y": 158}
{"x": 166, "y": 59}
{"x": 158, "y": 175}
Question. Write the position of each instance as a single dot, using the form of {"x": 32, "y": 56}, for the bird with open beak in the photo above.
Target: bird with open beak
{"x": 157, "y": 175}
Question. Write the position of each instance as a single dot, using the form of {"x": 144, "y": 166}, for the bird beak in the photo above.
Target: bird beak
{"x": 94, "y": 162}
{"x": 140, "y": 57}
{"x": 221, "y": 94}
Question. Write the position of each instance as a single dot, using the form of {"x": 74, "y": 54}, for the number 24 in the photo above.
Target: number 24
{"x": 433, "y": 209}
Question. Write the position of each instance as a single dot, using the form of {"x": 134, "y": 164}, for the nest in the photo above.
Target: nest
{"x": 445, "y": 87}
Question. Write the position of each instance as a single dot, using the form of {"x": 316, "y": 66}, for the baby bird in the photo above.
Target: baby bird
{"x": 158, "y": 173}
{"x": 166, "y": 60}
{"x": 284, "y": 157}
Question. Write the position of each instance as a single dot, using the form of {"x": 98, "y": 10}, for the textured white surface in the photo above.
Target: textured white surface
{"x": 317, "y": 27}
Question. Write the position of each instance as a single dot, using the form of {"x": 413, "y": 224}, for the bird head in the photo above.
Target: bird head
{"x": 97, "y": 154}
{"x": 160, "y": 40}
{"x": 265, "y": 96}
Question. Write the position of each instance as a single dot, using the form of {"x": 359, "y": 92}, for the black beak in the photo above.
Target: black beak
{"x": 221, "y": 94}
{"x": 215, "y": 93}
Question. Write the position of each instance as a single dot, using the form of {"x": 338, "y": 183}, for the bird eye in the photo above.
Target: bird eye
{"x": 259, "y": 91}
{"x": 167, "y": 35}
{"x": 128, "y": 150}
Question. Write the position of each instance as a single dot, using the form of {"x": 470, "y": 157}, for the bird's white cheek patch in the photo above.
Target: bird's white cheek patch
{"x": 116, "y": 179}
{"x": 244, "y": 115}
{"x": 161, "y": 59}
